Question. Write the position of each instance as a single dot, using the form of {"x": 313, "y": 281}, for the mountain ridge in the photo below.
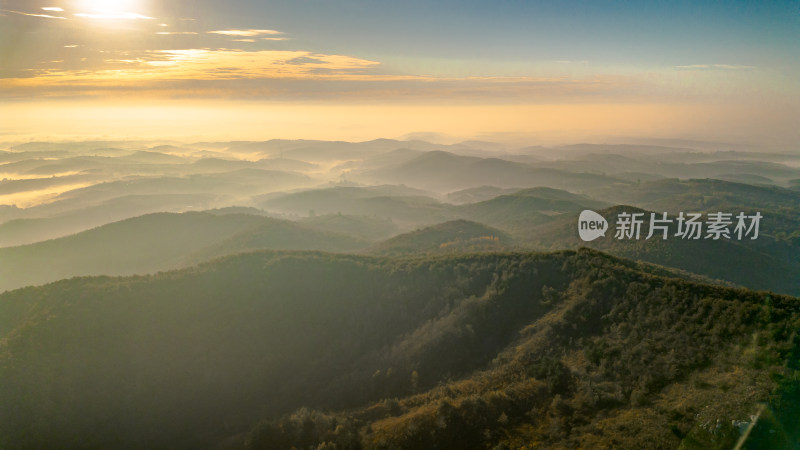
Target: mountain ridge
{"x": 577, "y": 338}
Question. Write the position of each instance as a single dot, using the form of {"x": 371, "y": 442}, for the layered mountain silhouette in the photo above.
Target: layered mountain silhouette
{"x": 281, "y": 350}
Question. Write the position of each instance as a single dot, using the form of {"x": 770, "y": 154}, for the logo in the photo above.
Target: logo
{"x": 629, "y": 226}
{"x": 591, "y": 225}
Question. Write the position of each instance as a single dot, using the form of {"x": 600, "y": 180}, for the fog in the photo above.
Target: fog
{"x": 170, "y": 294}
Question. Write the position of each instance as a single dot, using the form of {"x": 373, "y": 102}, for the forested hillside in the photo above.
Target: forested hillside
{"x": 161, "y": 241}
{"x": 770, "y": 262}
{"x": 457, "y": 236}
{"x": 499, "y": 350}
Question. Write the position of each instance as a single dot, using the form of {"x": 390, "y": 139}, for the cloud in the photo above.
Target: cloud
{"x": 245, "y": 33}
{"x": 715, "y": 67}
{"x": 289, "y": 75}
{"x": 275, "y": 39}
{"x": 154, "y": 66}
{"x": 175, "y": 33}
{"x": 45, "y": 16}
{"x": 53, "y": 8}
{"x": 304, "y": 60}
{"x": 201, "y": 64}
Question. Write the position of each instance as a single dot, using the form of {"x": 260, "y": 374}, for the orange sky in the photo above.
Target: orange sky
{"x": 250, "y": 70}
{"x": 515, "y": 123}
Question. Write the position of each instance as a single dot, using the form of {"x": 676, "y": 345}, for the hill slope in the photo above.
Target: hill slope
{"x": 526, "y": 208}
{"x": 401, "y": 204}
{"x": 564, "y": 350}
{"x": 30, "y": 230}
{"x": 700, "y": 194}
{"x": 456, "y": 236}
{"x": 444, "y": 171}
{"x": 156, "y": 242}
{"x": 365, "y": 227}
{"x": 770, "y": 262}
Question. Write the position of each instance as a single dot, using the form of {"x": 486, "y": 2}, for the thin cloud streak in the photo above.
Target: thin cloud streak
{"x": 201, "y": 65}
{"x": 245, "y": 33}
{"x": 298, "y": 75}
{"x": 715, "y": 67}
{"x": 44, "y": 16}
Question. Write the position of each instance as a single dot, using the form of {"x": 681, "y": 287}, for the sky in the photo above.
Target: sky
{"x": 559, "y": 71}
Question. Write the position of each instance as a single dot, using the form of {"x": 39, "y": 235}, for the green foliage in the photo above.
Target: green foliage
{"x": 778, "y": 426}
{"x": 314, "y": 350}
{"x": 517, "y": 212}
{"x": 365, "y": 227}
{"x": 162, "y": 241}
{"x": 457, "y": 236}
{"x": 767, "y": 263}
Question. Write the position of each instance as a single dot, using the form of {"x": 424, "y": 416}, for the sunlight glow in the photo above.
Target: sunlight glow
{"x": 29, "y": 199}
{"x": 112, "y": 15}
{"x": 108, "y": 5}
{"x": 110, "y": 10}
{"x": 29, "y": 176}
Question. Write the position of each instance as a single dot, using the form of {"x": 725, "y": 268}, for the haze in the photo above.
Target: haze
{"x": 353, "y": 225}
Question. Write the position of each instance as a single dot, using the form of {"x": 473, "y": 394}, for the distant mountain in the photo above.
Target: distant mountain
{"x": 220, "y": 165}
{"x": 482, "y": 145}
{"x": 9, "y": 212}
{"x": 526, "y": 208}
{"x": 156, "y": 242}
{"x": 479, "y": 194}
{"x": 704, "y": 195}
{"x": 611, "y": 163}
{"x": 779, "y": 206}
{"x": 213, "y": 164}
{"x": 457, "y": 236}
{"x": 665, "y": 162}
{"x": 394, "y": 157}
{"x": 400, "y": 203}
{"x": 766, "y": 263}
{"x": 15, "y": 156}
{"x": 275, "y": 234}
{"x": 154, "y": 157}
{"x": 289, "y": 165}
{"x": 169, "y": 149}
{"x": 748, "y": 178}
{"x": 104, "y": 168}
{"x": 443, "y": 171}
{"x": 587, "y": 148}
{"x": 365, "y": 227}
{"x": 47, "y": 166}
{"x": 85, "y": 147}
{"x": 310, "y": 350}
{"x": 8, "y": 187}
{"x": 325, "y": 151}
{"x": 60, "y": 223}
{"x": 772, "y": 170}
{"x": 234, "y": 183}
